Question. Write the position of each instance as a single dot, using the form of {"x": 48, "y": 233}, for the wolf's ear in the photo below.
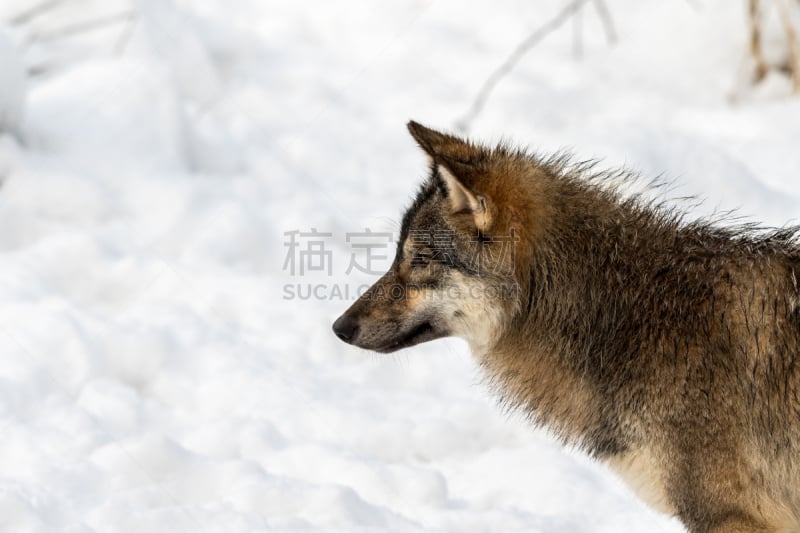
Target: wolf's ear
{"x": 454, "y": 152}
{"x": 454, "y": 159}
{"x": 463, "y": 200}
{"x": 434, "y": 143}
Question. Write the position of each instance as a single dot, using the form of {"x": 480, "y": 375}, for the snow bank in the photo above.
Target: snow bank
{"x": 155, "y": 377}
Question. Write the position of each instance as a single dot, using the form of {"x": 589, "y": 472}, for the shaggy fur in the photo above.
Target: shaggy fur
{"x": 668, "y": 349}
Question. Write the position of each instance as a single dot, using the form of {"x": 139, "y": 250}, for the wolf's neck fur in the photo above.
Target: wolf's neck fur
{"x": 615, "y": 292}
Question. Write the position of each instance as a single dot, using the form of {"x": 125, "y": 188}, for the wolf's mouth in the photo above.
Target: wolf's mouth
{"x": 421, "y": 333}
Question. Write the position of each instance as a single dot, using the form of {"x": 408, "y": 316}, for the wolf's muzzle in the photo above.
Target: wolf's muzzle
{"x": 345, "y": 328}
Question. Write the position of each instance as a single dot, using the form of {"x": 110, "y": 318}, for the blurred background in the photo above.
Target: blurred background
{"x": 192, "y": 190}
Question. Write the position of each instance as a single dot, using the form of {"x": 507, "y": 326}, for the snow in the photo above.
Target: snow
{"x": 153, "y": 376}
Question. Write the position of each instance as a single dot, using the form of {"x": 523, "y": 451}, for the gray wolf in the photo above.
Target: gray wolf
{"x": 668, "y": 349}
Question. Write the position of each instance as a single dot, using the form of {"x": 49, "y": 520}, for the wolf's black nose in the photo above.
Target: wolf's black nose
{"x": 345, "y": 328}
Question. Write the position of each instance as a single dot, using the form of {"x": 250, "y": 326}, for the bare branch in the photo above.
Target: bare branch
{"x": 695, "y": 4}
{"x": 608, "y": 22}
{"x": 41, "y": 69}
{"x": 511, "y": 61}
{"x": 577, "y": 35}
{"x": 85, "y": 26}
{"x": 125, "y": 36}
{"x": 793, "y": 45}
{"x": 754, "y": 9}
{"x": 33, "y": 12}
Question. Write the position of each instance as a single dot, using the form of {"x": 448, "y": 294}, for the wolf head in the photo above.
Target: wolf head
{"x": 456, "y": 271}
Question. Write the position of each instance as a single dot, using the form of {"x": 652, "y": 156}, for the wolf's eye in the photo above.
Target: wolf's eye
{"x": 421, "y": 259}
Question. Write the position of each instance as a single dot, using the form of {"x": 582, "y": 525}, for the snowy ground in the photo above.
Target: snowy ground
{"x": 153, "y": 375}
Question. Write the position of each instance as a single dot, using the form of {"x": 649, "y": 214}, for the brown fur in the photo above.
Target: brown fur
{"x": 668, "y": 349}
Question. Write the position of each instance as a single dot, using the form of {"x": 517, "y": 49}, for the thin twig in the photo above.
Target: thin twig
{"x": 793, "y": 46}
{"x": 125, "y": 36}
{"x": 85, "y": 26}
{"x": 608, "y": 22}
{"x": 577, "y": 35}
{"x": 41, "y": 69}
{"x": 695, "y": 4}
{"x": 754, "y": 12}
{"x": 512, "y": 60}
{"x": 33, "y": 12}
